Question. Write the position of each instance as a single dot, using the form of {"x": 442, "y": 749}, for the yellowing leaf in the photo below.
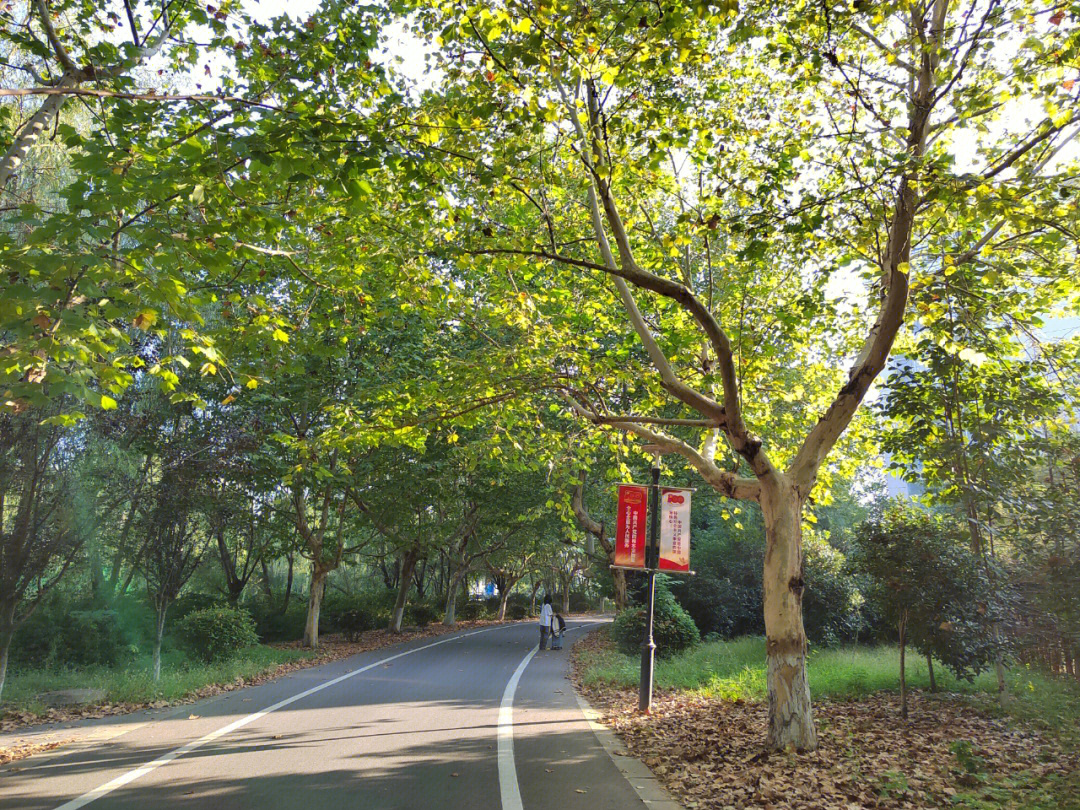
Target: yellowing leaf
{"x": 145, "y": 319}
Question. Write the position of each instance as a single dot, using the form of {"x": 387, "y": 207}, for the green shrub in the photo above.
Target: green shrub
{"x": 921, "y": 574}
{"x": 422, "y": 614}
{"x": 673, "y": 629}
{"x": 580, "y": 602}
{"x": 195, "y": 600}
{"x": 273, "y": 624}
{"x": 352, "y": 614}
{"x": 216, "y": 633}
{"x": 474, "y": 609}
{"x": 832, "y": 603}
{"x": 65, "y": 632}
{"x": 517, "y": 611}
{"x": 725, "y": 596}
{"x": 354, "y": 622}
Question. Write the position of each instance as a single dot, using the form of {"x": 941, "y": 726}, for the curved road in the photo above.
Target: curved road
{"x": 469, "y": 720}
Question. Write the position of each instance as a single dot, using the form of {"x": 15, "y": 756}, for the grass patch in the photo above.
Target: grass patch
{"x": 735, "y": 670}
{"x": 180, "y": 677}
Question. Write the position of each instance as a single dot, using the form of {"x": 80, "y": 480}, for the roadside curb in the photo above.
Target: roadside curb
{"x": 649, "y": 789}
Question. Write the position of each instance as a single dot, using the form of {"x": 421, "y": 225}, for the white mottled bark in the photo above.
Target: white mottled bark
{"x": 157, "y": 642}
{"x": 31, "y": 132}
{"x": 315, "y": 597}
{"x": 791, "y": 721}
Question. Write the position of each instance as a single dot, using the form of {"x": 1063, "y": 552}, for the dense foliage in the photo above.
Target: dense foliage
{"x": 215, "y": 633}
{"x": 345, "y": 316}
{"x": 673, "y": 629}
{"x": 939, "y": 597}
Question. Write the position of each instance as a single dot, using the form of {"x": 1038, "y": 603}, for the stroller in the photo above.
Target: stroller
{"x": 557, "y": 630}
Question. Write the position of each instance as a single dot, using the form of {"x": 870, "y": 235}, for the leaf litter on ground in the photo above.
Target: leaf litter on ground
{"x": 709, "y": 752}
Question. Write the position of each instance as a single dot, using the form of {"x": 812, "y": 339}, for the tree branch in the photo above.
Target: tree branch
{"x": 61, "y": 52}
{"x": 727, "y": 483}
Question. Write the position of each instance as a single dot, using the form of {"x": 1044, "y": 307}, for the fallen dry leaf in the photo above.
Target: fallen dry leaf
{"x": 708, "y": 752}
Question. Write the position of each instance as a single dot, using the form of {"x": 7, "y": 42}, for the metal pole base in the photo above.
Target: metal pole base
{"x": 648, "y": 652}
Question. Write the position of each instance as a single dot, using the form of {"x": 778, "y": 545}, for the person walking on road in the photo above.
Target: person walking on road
{"x": 545, "y": 622}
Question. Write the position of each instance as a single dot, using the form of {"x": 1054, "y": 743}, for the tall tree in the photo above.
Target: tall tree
{"x": 39, "y": 538}
{"x": 801, "y": 139}
{"x": 173, "y": 546}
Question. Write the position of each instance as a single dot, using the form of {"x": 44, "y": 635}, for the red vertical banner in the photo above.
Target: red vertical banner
{"x": 630, "y": 531}
{"x": 675, "y": 530}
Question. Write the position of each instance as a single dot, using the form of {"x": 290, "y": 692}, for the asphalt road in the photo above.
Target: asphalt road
{"x": 426, "y": 724}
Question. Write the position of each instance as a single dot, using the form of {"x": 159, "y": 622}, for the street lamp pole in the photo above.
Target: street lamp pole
{"x": 652, "y": 560}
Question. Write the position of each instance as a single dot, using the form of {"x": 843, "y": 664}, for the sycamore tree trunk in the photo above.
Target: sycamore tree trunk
{"x": 504, "y": 597}
{"x": 903, "y": 670}
{"x": 7, "y": 632}
{"x": 288, "y": 586}
{"x": 999, "y": 669}
{"x": 315, "y": 597}
{"x": 619, "y": 577}
{"x": 450, "y": 616}
{"x": 532, "y": 598}
{"x": 32, "y": 130}
{"x": 791, "y": 722}
{"x": 566, "y": 598}
{"x": 408, "y": 565}
{"x": 162, "y": 610}
{"x": 5, "y": 645}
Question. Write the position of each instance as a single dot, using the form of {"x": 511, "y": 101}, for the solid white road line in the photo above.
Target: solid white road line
{"x": 509, "y": 790}
{"x": 164, "y": 759}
